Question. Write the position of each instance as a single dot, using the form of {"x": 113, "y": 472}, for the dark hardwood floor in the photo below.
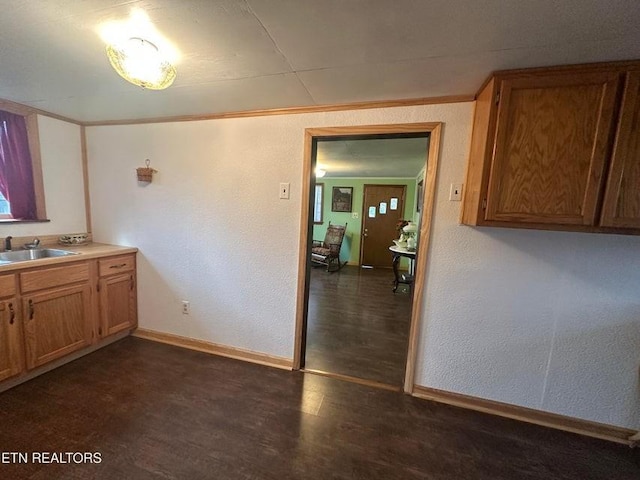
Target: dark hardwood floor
{"x": 357, "y": 326}
{"x": 155, "y": 411}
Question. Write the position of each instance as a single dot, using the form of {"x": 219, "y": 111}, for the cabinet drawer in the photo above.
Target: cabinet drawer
{"x": 54, "y": 277}
{"x": 114, "y": 265}
{"x": 7, "y": 286}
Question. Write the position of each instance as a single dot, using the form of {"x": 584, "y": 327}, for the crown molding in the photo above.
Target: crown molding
{"x": 293, "y": 110}
{"x": 25, "y": 110}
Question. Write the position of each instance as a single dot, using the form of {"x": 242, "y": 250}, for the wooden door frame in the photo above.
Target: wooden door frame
{"x": 364, "y": 189}
{"x": 435, "y": 131}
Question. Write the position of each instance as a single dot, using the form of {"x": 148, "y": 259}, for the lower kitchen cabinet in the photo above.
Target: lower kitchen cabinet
{"x": 57, "y": 322}
{"x": 11, "y": 339}
{"x": 11, "y": 352}
{"x": 51, "y": 311}
{"x": 118, "y": 308}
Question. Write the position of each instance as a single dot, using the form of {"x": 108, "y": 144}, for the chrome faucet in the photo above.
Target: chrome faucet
{"x": 7, "y": 243}
{"x": 35, "y": 243}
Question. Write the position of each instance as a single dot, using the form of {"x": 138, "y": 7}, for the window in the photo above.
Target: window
{"x": 5, "y": 208}
{"x": 18, "y": 199}
{"x": 317, "y": 203}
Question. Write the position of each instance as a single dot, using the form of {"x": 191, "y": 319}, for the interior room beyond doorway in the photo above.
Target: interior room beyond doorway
{"x": 357, "y": 326}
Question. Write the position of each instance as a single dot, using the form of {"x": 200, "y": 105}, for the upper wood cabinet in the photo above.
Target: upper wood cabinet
{"x": 541, "y": 150}
{"x": 622, "y": 197}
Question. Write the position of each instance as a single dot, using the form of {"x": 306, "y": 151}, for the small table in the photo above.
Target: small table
{"x": 404, "y": 278}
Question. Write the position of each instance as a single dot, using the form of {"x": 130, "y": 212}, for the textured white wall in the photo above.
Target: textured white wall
{"x": 541, "y": 319}
{"x": 61, "y": 152}
{"x": 546, "y": 320}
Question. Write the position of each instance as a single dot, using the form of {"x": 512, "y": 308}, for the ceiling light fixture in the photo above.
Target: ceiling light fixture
{"x": 140, "y": 62}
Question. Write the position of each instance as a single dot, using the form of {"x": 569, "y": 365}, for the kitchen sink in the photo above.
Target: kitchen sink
{"x": 25, "y": 255}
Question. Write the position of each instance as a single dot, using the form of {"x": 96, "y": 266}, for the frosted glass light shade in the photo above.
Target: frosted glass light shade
{"x": 138, "y": 61}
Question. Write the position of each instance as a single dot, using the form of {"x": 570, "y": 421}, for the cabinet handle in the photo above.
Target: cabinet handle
{"x": 120, "y": 265}
{"x": 131, "y": 283}
{"x": 12, "y": 314}
{"x": 30, "y": 309}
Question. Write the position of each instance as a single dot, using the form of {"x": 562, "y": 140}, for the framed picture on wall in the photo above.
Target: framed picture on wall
{"x": 341, "y": 199}
{"x": 420, "y": 196}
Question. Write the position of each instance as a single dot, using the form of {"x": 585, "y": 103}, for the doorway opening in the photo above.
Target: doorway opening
{"x": 342, "y": 298}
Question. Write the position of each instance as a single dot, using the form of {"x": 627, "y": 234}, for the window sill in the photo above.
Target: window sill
{"x": 12, "y": 221}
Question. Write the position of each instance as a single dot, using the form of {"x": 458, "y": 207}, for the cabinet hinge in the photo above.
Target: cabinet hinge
{"x": 484, "y": 203}
{"x": 498, "y": 97}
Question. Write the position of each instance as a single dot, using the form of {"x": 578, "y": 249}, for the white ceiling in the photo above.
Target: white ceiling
{"x": 378, "y": 157}
{"x": 253, "y": 54}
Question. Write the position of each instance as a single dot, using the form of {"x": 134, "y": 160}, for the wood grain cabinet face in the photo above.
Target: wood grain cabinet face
{"x": 557, "y": 148}
{"x": 115, "y": 265}
{"x": 11, "y": 341}
{"x": 57, "y": 322}
{"x": 622, "y": 197}
{"x": 47, "y": 313}
{"x": 552, "y": 140}
{"x": 11, "y": 338}
{"x": 118, "y": 298}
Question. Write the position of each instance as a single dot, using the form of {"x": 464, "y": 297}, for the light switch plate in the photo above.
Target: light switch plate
{"x": 284, "y": 191}
{"x": 455, "y": 193}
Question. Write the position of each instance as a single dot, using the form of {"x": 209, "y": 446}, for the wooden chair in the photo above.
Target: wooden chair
{"x": 327, "y": 252}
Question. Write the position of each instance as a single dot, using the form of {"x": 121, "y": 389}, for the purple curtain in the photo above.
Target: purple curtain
{"x": 16, "y": 175}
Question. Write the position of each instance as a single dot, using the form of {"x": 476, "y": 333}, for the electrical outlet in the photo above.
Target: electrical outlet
{"x": 354, "y": 215}
{"x": 455, "y": 193}
{"x": 186, "y": 307}
{"x": 284, "y": 191}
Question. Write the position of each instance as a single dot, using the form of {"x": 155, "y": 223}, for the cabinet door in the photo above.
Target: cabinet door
{"x": 118, "y": 310}
{"x": 552, "y": 139}
{"x": 621, "y": 206}
{"x": 10, "y": 339}
{"x": 57, "y": 322}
